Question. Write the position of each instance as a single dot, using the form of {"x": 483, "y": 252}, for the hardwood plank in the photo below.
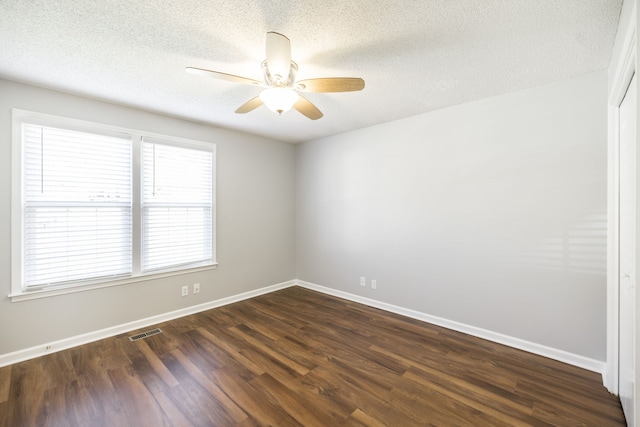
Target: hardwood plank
{"x": 24, "y": 403}
{"x": 365, "y": 419}
{"x": 470, "y": 402}
{"x": 196, "y": 403}
{"x": 174, "y": 414}
{"x": 112, "y": 353}
{"x": 139, "y": 406}
{"x": 234, "y": 411}
{"x": 294, "y": 403}
{"x": 339, "y": 388}
{"x": 6, "y": 415}
{"x": 231, "y": 351}
{"x": 300, "y": 358}
{"x": 551, "y": 405}
{"x": 437, "y": 408}
{"x": 76, "y": 401}
{"x": 270, "y": 349}
{"x": 493, "y": 397}
{"x": 265, "y": 411}
{"x": 5, "y": 383}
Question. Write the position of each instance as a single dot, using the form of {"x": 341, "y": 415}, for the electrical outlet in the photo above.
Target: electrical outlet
{"x": 196, "y": 288}
{"x": 185, "y": 290}
{"x": 373, "y": 284}
{"x": 363, "y": 281}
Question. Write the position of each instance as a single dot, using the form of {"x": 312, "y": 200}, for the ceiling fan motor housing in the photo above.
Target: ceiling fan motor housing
{"x": 277, "y": 80}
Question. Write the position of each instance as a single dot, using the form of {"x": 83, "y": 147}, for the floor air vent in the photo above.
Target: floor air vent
{"x": 145, "y": 334}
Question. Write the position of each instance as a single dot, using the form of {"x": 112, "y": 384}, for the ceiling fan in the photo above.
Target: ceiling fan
{"x": 281, "y": 93}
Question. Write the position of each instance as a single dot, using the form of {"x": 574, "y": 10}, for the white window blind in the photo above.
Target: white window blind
{"x": 177, "y": 205}
{"x": 97, "y": 205}
{"x": 77, "y": 206}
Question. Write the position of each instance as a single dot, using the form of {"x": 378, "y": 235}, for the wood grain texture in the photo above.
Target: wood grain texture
{"x": 300, "y": 358}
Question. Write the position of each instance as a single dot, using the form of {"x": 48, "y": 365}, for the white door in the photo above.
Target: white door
{"x": 627, "y": 280}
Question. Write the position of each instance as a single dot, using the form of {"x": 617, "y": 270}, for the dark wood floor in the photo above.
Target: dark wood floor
{"x": 296, "y": 357}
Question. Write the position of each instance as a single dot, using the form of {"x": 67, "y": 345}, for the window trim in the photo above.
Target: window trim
{"x": 17, "y": 292}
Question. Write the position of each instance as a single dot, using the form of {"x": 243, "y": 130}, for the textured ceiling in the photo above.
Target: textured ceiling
{"x": 414, "y": 55}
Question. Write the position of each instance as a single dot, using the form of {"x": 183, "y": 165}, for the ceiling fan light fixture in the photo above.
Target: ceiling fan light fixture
{"x": 279, "y": 99}
{"x": 280, "y": 81}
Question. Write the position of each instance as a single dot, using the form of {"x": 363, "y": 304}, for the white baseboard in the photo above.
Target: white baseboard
{"x": 51, "y": 347}
{"x": 552, "y": 353}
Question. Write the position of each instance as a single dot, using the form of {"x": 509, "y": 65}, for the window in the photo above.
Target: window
{"x": 98, "y": 205}
{"x": 76, "y": 204}
{"x": 176, "y": 206}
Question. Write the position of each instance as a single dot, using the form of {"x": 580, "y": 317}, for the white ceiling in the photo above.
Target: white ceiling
{"x": 414, "y": 55}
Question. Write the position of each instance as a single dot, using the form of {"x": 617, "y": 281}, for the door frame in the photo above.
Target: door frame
{"x": 623, "y": 72}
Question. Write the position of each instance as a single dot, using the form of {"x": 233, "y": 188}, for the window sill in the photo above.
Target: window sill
{"x": 45, "y": 293}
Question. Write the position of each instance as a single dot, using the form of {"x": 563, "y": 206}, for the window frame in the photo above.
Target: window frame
{"x": 18, "y": 291}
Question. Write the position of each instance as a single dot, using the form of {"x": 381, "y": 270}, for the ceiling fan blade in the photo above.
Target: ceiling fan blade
{"x": 250, "y": 105}
{"x": 278, "y": 56}
{"x": 305, "y": 107}
{"x": 331, "y": 84}
{"x": 223, "y": 76}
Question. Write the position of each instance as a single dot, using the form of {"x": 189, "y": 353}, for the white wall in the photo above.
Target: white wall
{"x": 255, "y": 232}
{"x": 491, "y": 214}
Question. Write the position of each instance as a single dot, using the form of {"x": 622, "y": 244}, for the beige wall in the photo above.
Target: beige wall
{"x": 490, "y": 214}
{"x": 255, "y": 233}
